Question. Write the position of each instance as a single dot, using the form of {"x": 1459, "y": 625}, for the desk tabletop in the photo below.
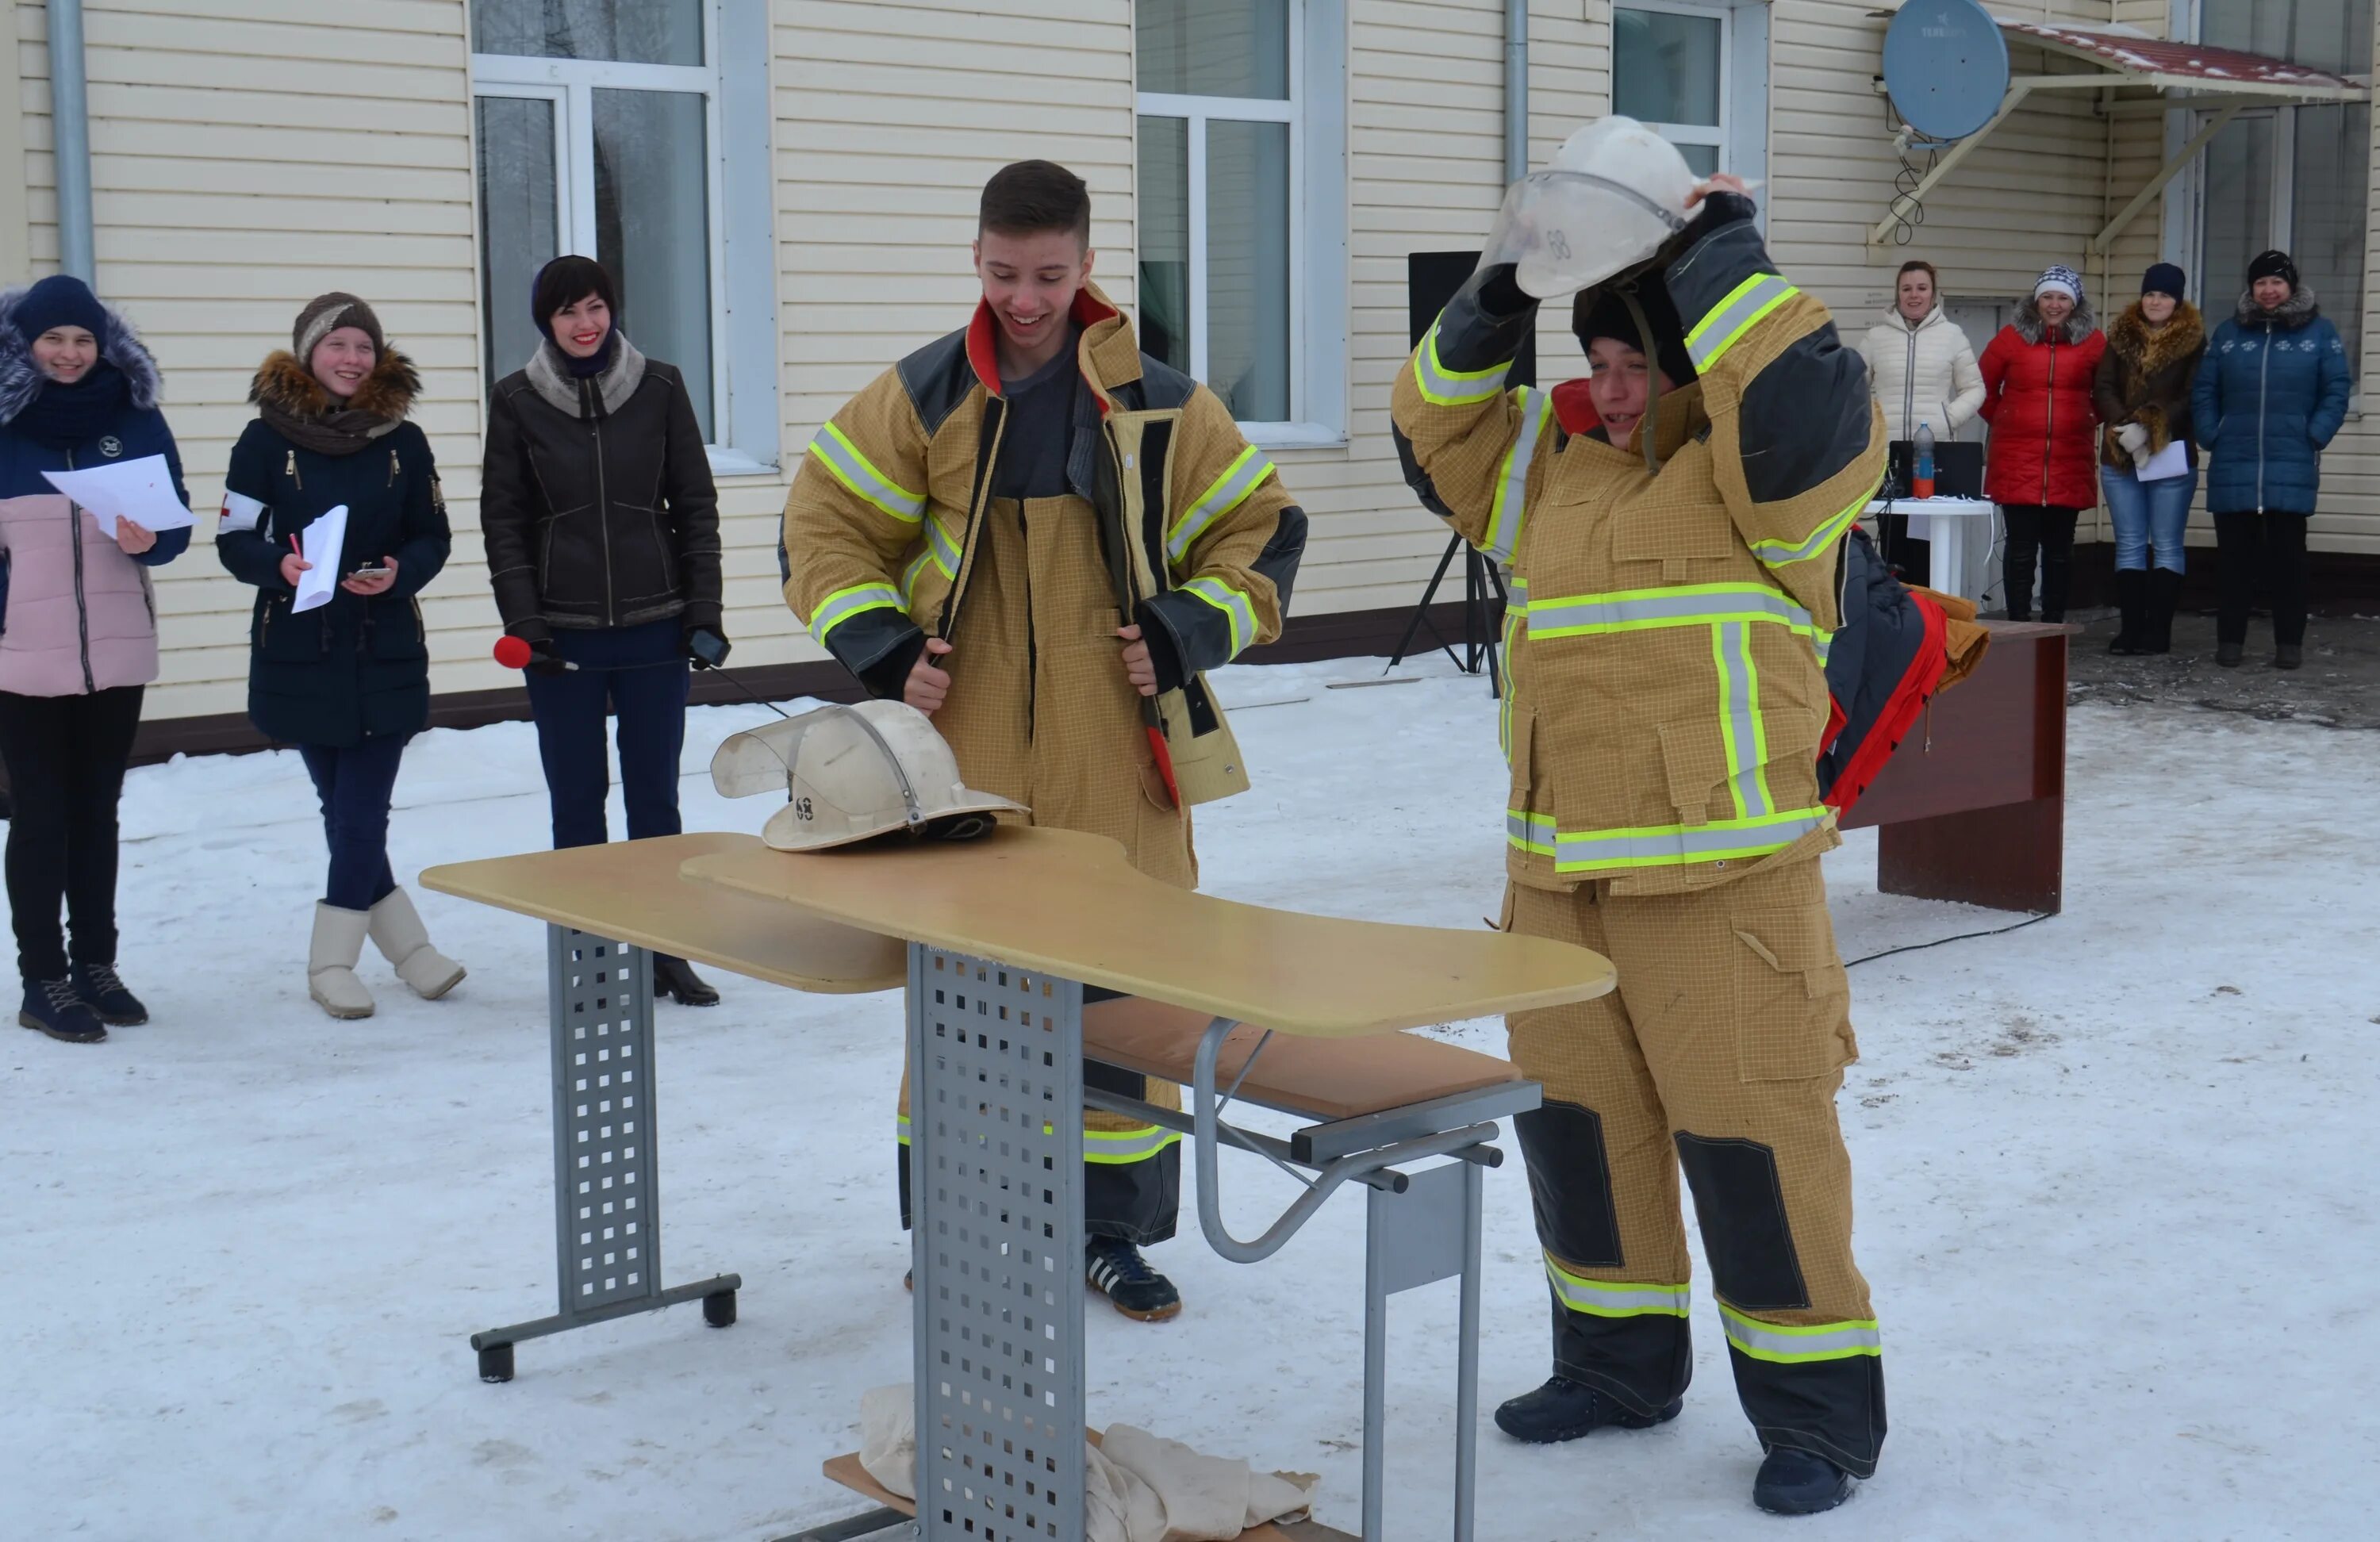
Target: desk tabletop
{"x": 1931, "y": 506}
{"x": 1072, "y": 905}
{"x": 631, "y": 891}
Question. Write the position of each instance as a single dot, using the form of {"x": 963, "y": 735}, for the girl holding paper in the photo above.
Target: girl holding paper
{"x": 343, "y": 676}
{"x": 2148, "y": 457}
{"x": 78, "y": 639}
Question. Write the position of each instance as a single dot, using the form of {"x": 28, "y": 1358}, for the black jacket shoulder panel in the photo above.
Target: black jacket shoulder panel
{"x": 938, "y": 378}
{"x": 1161, "y": 386}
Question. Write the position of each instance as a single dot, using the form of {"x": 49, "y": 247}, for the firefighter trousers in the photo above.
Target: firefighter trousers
{"x": 1131, "y": 1172}
{"x": 1720, "y": 1053}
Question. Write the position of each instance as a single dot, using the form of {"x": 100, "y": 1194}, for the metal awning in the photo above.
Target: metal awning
{"x": 2224, "y": 81}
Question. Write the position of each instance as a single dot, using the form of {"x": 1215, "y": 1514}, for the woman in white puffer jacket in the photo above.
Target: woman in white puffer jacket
{"x": 1922, "y": 371}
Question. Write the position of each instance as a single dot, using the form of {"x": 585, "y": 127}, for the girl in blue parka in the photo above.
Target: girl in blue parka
{"x": 2270, "y": 396}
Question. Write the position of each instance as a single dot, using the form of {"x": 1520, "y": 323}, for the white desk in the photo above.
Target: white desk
{"x": 1937, "y": 520}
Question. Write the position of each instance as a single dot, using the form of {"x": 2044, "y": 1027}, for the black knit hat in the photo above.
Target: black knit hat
{"x": 566, "y": 281}
{"x": 2274, "y": 264}
{"x": 1604, "y": 313}
{"x": 2164, "y": 278}
{"x": 59, "y": 300}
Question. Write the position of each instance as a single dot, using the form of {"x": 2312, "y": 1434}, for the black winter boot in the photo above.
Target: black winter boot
{"x": 1799, "y": 1483}
{"x": 52, "y": 1007}
{"x": 2016, "y": 578}
{"x": 2156, "y": 621}
{"x": 2228, "y": 654}
{"x": 2289, "y": 655}
{"x": 2130, "y": 586}
{"x": 103, "y": 992}
{"x": 1564, "y": 1410}
{"x": 1116, "y": 1270}
{"x": 674, "y": 979}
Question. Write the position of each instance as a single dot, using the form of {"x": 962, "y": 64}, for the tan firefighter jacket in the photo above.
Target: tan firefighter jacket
{"x": 1667, "y": 693}
{"x": 891, "y": 536}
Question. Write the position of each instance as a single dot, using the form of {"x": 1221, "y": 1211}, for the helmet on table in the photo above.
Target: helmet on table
{"x": 852, "y": 773}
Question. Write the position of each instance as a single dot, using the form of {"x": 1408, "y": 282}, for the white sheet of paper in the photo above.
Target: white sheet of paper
{"x": 323, "y": 540}
{"x": 141, "y": 491}
{"x": 2167, "y": 464}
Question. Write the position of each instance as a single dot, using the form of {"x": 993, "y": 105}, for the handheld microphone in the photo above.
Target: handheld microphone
{"x": 515, "y": 653}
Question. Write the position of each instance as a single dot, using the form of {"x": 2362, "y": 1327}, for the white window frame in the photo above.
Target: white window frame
{"x": 1714, "y": 137}
{"x": 1740, "y": 135}
{"x": 745, "y": 430}
{"x": 1316, "y": 112}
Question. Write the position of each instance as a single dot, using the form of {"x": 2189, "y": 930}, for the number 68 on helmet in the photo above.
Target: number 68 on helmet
{"x": 854, "y": 773}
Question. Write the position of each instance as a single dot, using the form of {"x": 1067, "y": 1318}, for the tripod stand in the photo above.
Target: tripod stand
{"x": 1482, "y": 586}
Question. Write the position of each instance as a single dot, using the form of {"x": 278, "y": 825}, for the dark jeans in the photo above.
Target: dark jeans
{"x": 66, "y": 758}
{"x": 2267, "y": 546}
{"x": 2045, "y": 532}
{"x": 641, "y": 674}
{"x": 355, "y": 785}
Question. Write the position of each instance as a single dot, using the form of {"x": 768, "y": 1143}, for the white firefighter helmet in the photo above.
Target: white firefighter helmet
{"x": 1612, "y": 197}
{"x": 851, "y": 773}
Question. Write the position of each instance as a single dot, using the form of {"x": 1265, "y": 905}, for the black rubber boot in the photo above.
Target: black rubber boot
{"x": 2228, "y": 654}
{"x": 1800, "y": 1483}
{"x": 2131, "y": 631}
{"x": 1564, "y": 1410}
{"x": 1116, "y": 1270}
{"x": 103, "y": 992}
{"x": 675, "y": 980}
{"x": 52, "y": 1007}
{"x": 2289, "y": 655}
{"x": 2156, "y": 622}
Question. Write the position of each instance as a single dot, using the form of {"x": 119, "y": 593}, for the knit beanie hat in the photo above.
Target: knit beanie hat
{"x": 2274, "y": 264}
{"x": 325, "y": 314}
{"x": 2058, "y": 279}
{"x": 2164, "y": 278}
{"x": 1604, "y": 313}
{"x": 60, "y": 300}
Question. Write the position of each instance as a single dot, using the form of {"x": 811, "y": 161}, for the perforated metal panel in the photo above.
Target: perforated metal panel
{"x": 609, "y": 1221}
{"x": 996, "y": 1155}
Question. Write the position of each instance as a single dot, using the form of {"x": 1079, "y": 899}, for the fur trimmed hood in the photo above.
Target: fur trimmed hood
{"x": 284, "y": 383}
{"x": 2151, "y": 352}
{"x": 2295, "y": 311}
{"x": 21, "y": 379}
{"x": 2080, "y": 324}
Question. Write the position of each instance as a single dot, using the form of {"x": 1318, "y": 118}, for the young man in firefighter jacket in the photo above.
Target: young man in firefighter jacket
{"x": 1677, "y": 571}
{"x": 949, "y": 539}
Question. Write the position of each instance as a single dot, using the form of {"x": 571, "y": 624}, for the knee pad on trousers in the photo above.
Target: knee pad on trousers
{"x": 1741, "y": 1205}
{"x": 1570, "y": 1184}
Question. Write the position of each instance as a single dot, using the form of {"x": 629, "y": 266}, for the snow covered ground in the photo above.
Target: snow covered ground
{"x": 2115, "y": 1187}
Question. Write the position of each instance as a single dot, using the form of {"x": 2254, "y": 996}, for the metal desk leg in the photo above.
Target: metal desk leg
{"x": 1428, "y": 1233}
{"x": 996, "y": 1239}
{"x": 607, "y": 1220}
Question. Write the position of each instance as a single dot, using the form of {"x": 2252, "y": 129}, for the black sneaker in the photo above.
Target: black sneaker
{"x": 52, "y": 1007}
{"x": 103, "y": 990}
{"x": 674, "y": 979}
{"x": 1800, "y": 1483}
{"x": 1564, "y": 1410}
{"x": 1116, "y": 1270}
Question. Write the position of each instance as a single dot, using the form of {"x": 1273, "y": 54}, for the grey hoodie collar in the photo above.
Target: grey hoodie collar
{"x": 549, "y": 377}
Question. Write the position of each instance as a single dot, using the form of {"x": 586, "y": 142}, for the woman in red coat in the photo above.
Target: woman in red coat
{"x": 2043, "y": 468}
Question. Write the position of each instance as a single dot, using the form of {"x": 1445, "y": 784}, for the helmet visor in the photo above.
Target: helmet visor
{"x": 1565, "y": 231}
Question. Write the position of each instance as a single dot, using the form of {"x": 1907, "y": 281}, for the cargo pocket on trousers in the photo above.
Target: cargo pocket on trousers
{"x": 1793, "y": 999}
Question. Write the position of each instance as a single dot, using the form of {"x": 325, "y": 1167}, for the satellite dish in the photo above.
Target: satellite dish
{"x": 1946, "y": 67}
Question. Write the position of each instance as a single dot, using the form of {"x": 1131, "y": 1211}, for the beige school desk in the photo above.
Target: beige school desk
{"x": 996, "y": 940}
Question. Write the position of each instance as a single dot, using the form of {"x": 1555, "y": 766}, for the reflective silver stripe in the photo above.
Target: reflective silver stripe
{"x": 1244, "y": 476}
{"x": 1739, "y": 689}
{"x": 945, "y": 550}
{"x": 1504, "y": 521}
{"x": 1443, "y": 387}
{"x": 1824, "y": 643}
{"x": 1676, "y": 845}
{"x": 1782, "y": 553}
{"x": 1529, "y": 832}
{"x": 1787, "y": 1345}
{"x": 1734, "y": 316}
{"x": 842, "y": 605}
{"x": 1697, "y": 605}
{"x": 839, "y": 455}
{"x": 1237, "y": 611}
{"x": 240, "y": 512}
{"x": 1114, "y": 1148}
{"x": 1617, "y": 1299}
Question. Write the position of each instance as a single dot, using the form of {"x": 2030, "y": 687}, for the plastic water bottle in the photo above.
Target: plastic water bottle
{"x": 1923, "y": 479}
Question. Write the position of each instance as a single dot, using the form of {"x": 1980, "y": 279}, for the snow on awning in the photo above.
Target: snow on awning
{"x": 2185, "y": 66}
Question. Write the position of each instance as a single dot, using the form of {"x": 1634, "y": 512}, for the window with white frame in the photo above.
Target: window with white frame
{"x": 2295, "y": 178}
{"x": 599, "y": 128}
{"x": 1239, "y": 196}
{"x": 1670, "y": 72}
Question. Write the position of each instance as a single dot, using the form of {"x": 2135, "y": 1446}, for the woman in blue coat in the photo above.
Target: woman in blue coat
{"x": 348, "y": 682}
{"x": 2271, "y": 394}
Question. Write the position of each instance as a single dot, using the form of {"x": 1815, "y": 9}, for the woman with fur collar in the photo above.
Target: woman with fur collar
{"x": 78, "y": 639}
{"x": 2143, "y": 396}
{"x": 602, "y": 531}
{"x": 347, "y": 681}
{"x": 2043, "y": 465}
{"x": 2271, "y": 396}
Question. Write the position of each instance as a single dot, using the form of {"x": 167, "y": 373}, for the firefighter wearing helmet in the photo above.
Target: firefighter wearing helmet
{"x": 1674, "y": 583}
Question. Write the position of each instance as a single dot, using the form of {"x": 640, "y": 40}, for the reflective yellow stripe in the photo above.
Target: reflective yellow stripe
{"x": 1744, "y": 737}
{"x": 1531, "y": 832}
{"x": 1516, "y": 612}
{"x": 1238, "y": 612}
{"x": 1668, "y": 845}
{"x": 1781, "y": 1344}
{"x": 1648, "y": 609}
{"x": 1443, "y": 387}
{"x": 1605, "y": 1298}
{"x": 1107, "y": 1148}
{"x": 840, "y": 455}
{"x": 1784, "y": 553}
{"x": 1244, "y": 476}
{"x": 1510, "y": 509}
{"x": 845, "y": 603}
{"x": 939, "y": 550}
{"x": 1727, "y": 321}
